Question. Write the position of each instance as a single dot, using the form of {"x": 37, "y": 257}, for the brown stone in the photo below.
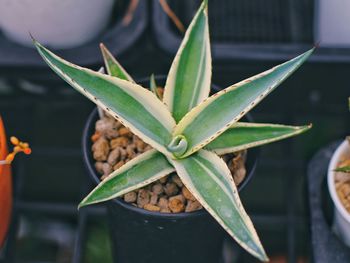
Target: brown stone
{"x": 151, "y": 207}
{"x": 119, "y": 142}
{"x": 177, "y": 204}
{"x": 118, "y": 165}
{"x": 114, "y": 156}
{"x": 100, "y": 149}
{"x": 239, "y": 175}
{"x": 157, "y": 189}
{"x": 130, "y": 197}
{"x": 171, "y": 189}
{"x": 163, "y": 203}
{"x": 165, "y": 210}
{"x": 187, "y": 194}
{"x": 123, "y": 131}
{"x": 140, "y": 145}
{"x": 163, "y": 180}
{"x": 130, "y": 151}
{"x": 143, "y": 197}
{"x": 107, "y": 169}
{"x": 193, "y": 206}
{"x": 153, "y": 199}
{"x": 108, "y": 127}
{"x": 99, "y": 167}
{"x": 176, "y": 179}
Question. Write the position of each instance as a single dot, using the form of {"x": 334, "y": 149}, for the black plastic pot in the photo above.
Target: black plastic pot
{"x": 140, "y": 236}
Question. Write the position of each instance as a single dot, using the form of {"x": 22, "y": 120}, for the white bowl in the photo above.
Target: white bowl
{"x": 341, "y": 223}
{"x": 57, "y": 23}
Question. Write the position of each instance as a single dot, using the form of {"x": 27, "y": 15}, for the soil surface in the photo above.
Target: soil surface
{"x": 114, "y": 145}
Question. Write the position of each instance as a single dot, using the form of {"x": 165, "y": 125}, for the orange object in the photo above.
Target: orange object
{"x": 5, "y": 188}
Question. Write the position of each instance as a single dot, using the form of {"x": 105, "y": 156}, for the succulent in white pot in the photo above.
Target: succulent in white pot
{"x": 339, "y": 188}
{"x": 57, "y": 23}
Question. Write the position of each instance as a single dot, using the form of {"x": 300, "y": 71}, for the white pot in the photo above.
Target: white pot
{"x": 332, "y": 19}
{"x": 57, "y": 23}
{"x": 341, "y": 223}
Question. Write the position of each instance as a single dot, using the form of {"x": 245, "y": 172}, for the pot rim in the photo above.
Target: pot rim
{"x": 341, "y": 149}
{"x": 87, "y": 157}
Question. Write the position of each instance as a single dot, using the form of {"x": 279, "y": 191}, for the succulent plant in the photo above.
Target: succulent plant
{"x": 188, "y": 129}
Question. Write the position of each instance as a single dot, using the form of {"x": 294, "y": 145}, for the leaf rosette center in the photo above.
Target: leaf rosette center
{"x": 178, "y": 146}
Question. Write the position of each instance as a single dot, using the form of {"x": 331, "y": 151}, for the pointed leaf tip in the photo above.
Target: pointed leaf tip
{"x": 226, "y": 107}
{"x": 32, "y": 37}
{"x": 241, "y": 136}
{"x": 138, "y": 108}
{"x": 113, "y": 67}
{"x": 208, "y": 178}
{"x": 189, "y": 77}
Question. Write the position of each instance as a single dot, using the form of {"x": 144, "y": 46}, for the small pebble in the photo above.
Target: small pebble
{"x": 151, "y": 207}
{"x": 118, "y": 165}
{"x": 130, "y": 197}
{"x": 193, "y": 206}
{"x": 130, "y": 152}
{"x": 239, "y": 175}
{"x": 107, "y": 169}
{"x": 171, "y": 189}
{"x": 125, "y": 132}
{"x": 143, "y": 197}
{"x": 177, "y": 203}
{"x": 99, "y": 167}
{"x": 163, "y": 203}
{"x": 157, "y": 189}
{"x": 187, "y": 194}
{"x": 176, "y": 179}
{"x": 119, "y": 142}
{"x": 107, "y": 127}
{"x": 163, "y": 180}
{"x": 153, "y": 199}
{"x": 100, "y": 149}
{"x": 114, "y": 156}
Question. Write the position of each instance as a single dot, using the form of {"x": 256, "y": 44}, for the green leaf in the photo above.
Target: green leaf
{"x": 344, "y": 169}
{"x": 135, "y": 107}
{"x": 188, "y": 81}
{"x": 208, "y": 178}
{"x": 112, "y": 65}
{"x": 243, "y": 135}
{"x": 153, "y": 87}
{"x": 215, "y": 115}
{"x": 138, "y": 172}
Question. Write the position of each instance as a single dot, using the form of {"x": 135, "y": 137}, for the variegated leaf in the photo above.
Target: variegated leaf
{"x": 100, "y": 111}
{"x": 140, "y": 171}
{"x": 112, "y": 65}
{"x": 242, "y": 135}
{"x": 153, "y": 86}
{"x": 210, "y": 181}
{"x": 344, "y": 169}
{"x": 213, "y": 116}
{"x": 135, "y": 107}
{"x": 188, "y": 81}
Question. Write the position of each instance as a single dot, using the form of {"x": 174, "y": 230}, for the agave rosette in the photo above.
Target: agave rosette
{"x": 187, "y": 129}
